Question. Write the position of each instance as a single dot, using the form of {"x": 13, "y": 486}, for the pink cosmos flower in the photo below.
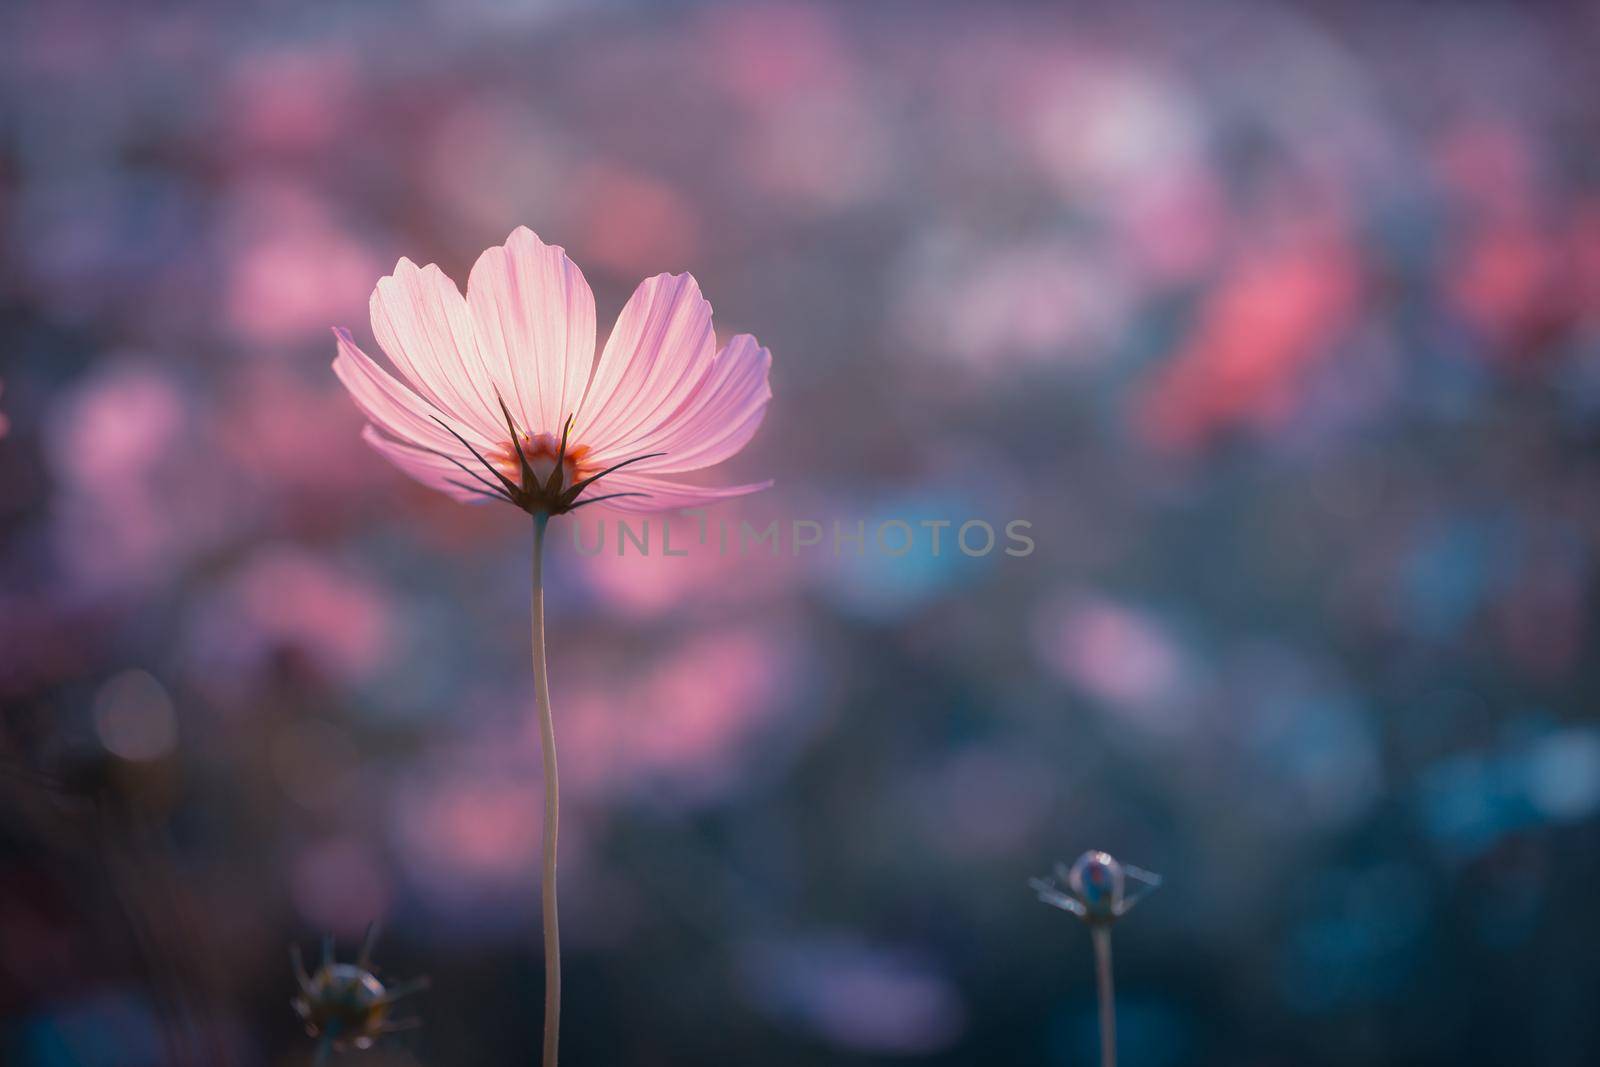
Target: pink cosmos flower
{"x": 503, "y": 399}
{"x": 500, "y": 394}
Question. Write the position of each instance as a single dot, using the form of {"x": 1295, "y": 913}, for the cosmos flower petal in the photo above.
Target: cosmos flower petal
{"x": 422, "y": 323}
{"x": 534, "y": 316}
{"x": 718, "y": 418}
{"x": 429, "y": 468}
{"x": 663, "y": 494}
{"x": 656, "y": 355}
{"x": 394, "y": 408}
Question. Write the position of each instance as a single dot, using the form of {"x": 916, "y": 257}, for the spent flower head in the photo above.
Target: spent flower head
{"x": 1096, "y": 887}
{"x": 347, "y": 1004}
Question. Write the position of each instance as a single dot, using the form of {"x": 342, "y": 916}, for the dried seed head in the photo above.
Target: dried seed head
{"x": 1096, "y": 888}
{"x": 1098, "y": 881}
{"x": 347, "y": 1003}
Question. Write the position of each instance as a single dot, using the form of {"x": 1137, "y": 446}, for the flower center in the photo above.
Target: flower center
{"x": 541, "y": 449}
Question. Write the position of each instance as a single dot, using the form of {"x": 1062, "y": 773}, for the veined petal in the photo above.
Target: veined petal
{"x": 393, "y": 407}
{"x": 422, "y": 323}
{"x": 717, "y": 419}
{"x": 661, "y": 494}
{"x": 660, "y": 349}
{"x": 432, "y": 470}
{"x": 533, "y": 314}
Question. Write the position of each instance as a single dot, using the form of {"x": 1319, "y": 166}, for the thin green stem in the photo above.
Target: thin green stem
{"x": 552, "y": 806}
{"x": 1108, "y": 1005}
{"x": 324, "y": 1050}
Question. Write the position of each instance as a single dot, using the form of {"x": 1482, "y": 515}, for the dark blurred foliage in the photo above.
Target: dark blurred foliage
{"x": 1281, "y": 325}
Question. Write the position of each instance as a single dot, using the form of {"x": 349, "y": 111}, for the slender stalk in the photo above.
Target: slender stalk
{"x": 552, "y": 806}
{"x": 324, "y": 1050}
{"x": 1108, "y": 1005}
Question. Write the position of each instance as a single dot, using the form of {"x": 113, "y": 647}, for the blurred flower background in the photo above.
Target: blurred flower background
{"x": 1281, "y": 325}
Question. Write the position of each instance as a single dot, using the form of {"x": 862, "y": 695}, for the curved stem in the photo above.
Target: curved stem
{"x": 1108, "y": 1004}
{"x": 552, "y": 806}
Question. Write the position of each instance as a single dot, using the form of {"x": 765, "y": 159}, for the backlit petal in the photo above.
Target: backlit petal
{"x": 422, "y": 323}
{"x": 534, "y": 317}
{"x": 432, "y": 470}
{"x": 718, "y": 418}
{"x": 661, "y": 494}
{"x": 660, "y": 349}
{"x": 393, "y": 407}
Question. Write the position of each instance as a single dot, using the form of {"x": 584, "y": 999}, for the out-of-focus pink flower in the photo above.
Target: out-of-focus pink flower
{"x": 1172, "y": 224}
{"x": 1100, "y": 125}
{"x": 773, "y": 53}
{"x": 1505, "y": 279}
{"x": 468, "y": 841}
{"x": 134, "y": 416}
{"x": 1514, "y": 277}
{"x": 302, "y": 454}
{"x": 285, "y": 601}
{"x": 290, "y": 264}
{"x": 291, "y": 100}
{"x": 137, "y": 496}
{"x": 817, "y": 137}
{"x": 1258, "y": 338}
{"x": 503, "y": 398}
{"x": 717, "y": 696}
